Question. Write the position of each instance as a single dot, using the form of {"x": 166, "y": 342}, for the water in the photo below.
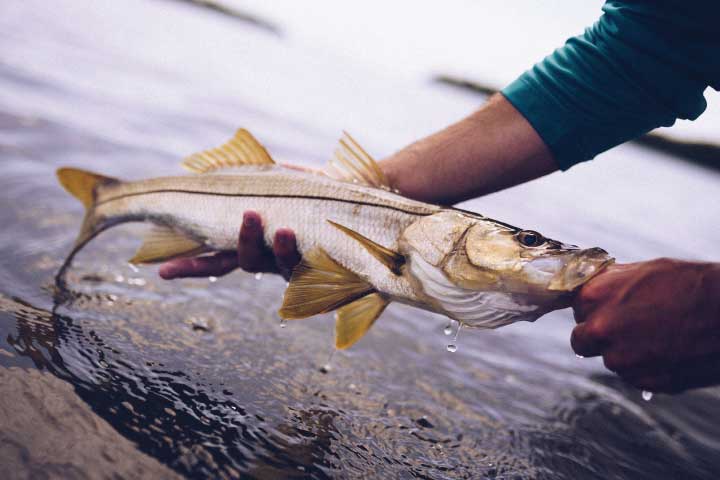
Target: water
{"x": 190, "y": 377}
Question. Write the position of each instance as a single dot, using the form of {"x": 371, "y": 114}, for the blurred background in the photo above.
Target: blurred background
{"x": 129, "y": 375}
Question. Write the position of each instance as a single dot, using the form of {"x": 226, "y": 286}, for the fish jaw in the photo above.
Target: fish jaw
{"x": 579, "y": 269}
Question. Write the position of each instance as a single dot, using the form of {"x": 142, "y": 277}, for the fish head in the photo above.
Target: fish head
{"x": 484, "y": 272}
{"x": 496, "y": 257}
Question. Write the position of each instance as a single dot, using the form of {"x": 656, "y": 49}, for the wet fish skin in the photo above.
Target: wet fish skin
{"x": 363, "y": 244}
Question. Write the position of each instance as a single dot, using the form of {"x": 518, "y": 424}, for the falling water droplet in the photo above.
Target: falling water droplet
{"x": 283, "y": 323}
{"x": 448, "y": 329}
{"x": 212, "y": 279}
{"x": 452, "y": 348}
{"x": 579, "y": 356}
{"x": 328, "y": 364}
{"x": 258, "y": 276}
{"x": 647, "y": 396}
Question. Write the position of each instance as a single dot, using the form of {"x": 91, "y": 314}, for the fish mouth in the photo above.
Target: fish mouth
{"x": 583, "y": 266}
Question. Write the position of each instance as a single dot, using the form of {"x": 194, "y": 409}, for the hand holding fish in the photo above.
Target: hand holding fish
{"x": 656, "y": 323}
{"x": 252, "y": 254}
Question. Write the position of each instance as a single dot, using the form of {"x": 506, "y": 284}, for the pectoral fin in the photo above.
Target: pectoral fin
{"x": 319, "y": 284}
{"x": 241, "y": 150}
{"x": 391, "y": 259}
{"x": 163, "y": 243}
{"x": 355, "y": 319}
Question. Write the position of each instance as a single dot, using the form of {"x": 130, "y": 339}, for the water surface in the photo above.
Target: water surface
{"x": 200, "y": 376}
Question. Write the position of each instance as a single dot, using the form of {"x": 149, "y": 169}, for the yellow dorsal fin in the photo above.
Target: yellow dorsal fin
{"x": 241, "y": 150}
{"x": 318, "y": 285}
{"x": 355, "y": 319}
{"x": 351, "y": 163}
{"x": 391, "y": 259}
{"x": 82, "y": 184}
{"x": 163, "y": 243}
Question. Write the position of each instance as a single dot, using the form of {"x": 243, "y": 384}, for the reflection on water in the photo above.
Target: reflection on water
{"x": 202, "y": 375}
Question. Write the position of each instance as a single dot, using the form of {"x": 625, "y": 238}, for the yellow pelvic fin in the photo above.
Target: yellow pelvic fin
{"x": 163, "y": 243}
{"x": 82, "y": 184}
{"x": 355, "y": 319}
{"x": 241, "y": 150}
{"x": 391, "y": 259}
{"x": 318, "y": 285}
{"x": 351, "y": 163}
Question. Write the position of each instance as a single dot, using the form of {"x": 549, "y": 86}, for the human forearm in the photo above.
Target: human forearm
{"x": 492, "y": 149}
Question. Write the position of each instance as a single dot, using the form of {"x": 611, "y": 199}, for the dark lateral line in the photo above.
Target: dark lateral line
{"x": 259, "y": 195}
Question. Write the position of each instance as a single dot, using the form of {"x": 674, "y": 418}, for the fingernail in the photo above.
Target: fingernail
{"x": 167, "y": 273}
{"x": 283, "y": 239}
{"x": 249, "y": 221}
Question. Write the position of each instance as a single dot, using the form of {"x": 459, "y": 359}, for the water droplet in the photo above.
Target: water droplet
{"x": 258, "y": 276}
{"x": 647, "y": 396}
{"x": 133, "y": 268}
{"x": 212, "y": 279}
{"x": 119, "y": 278}
{"x": 283, "y": 323}
{"x": 328, "y": 364}
{"x": 448, "y": 329}
{"x": 452, "y": 348}
{"x": 579, "y": 356}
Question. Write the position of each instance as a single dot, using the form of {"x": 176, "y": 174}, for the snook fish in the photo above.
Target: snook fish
{"x": 363, "y": 244}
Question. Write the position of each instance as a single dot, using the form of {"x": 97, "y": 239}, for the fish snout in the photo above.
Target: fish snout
{"x": 582, "y": 266}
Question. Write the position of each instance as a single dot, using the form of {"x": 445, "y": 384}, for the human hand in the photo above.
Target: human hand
{"x": 656, "y": 324}
{"x": 252, "y": 254}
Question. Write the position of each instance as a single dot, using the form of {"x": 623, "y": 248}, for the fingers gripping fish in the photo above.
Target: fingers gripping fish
{"x": 363, "y": 244}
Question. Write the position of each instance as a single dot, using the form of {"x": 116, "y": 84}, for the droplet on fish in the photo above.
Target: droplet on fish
{"x": 212, "y": 279}
{"x": 647, "y": 396}
{"x": 448, "y": 329}
{"x": 452, "y": 348}
{"x": 258, "y": 276}
{"x": 283, "y": 323}
{"x": 579, "y": 356}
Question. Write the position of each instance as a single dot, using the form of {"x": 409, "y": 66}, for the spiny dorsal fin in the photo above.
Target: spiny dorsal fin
{"x": 318, "y": 285}
{"x": 391, "y": 259}
{"x": 354, "y": 319}
{"x": 351, "y": 163}
{"x": 163, "y": 243}
{"x": 82, "y": 184}
{"x": 241, "y": 150}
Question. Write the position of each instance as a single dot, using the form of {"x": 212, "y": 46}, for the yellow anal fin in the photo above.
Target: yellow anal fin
{"x": 318, "y": 285}
{"x": 163, "y": 243}
{"x": 241, "y": 150}
{"x": 355, "y": 319}
{"x": 82, "y": 184}
{"x": 351, "y": 163}
{"x": 391, "y": 259}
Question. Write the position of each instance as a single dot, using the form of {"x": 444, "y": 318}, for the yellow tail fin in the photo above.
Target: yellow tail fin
{"x": 82, "y": 184}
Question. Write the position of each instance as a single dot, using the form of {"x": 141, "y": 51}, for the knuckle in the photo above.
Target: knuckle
{"x": 615, "y": 362}
{"x": 597, "y": 329}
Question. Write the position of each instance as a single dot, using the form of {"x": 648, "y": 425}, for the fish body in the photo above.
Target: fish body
{"x": 363, "y": 244}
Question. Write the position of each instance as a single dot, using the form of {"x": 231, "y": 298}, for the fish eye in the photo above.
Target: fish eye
{"x": 529, "y": 238}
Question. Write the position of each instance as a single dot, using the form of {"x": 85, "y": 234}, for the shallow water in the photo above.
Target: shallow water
{"x": 200, "y": 375}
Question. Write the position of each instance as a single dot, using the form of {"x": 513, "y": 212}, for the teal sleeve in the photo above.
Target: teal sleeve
{"x": 644, "y": 64}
